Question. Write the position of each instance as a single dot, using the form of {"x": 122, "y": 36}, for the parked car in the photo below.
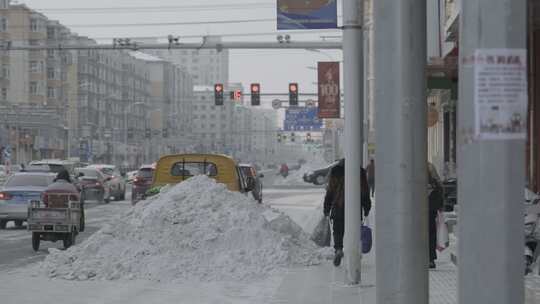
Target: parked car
{"x": 53, "y": 165}
{"x": 253, "y": 180}
{"x": 94, "y": 184}
{"x": 130, "y": 176}
{"x": 142, "y": 182}
{"x": 19, "y": 189}
{"x": 319, "y": 176}
{"x": 117, "y": 182}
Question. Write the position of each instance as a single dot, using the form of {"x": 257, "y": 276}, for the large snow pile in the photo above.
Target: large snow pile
{"x": 196, "y": 230}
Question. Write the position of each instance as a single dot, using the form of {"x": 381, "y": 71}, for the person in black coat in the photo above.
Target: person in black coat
{"x": 435, "y": 201}
{"x": 334, "y": 204}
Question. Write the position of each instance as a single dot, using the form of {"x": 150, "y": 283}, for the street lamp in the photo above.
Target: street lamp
{"x": 126, "y": 129}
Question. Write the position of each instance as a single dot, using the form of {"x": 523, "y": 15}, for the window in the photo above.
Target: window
{"x": 33, "y": 88}
{"x": 51, "y": 33}
{"x": 51, "y": 53}
{"x": 33, "y": 42}
{"x": 212, "y": 126}
{"x": 4, "y": 93}
{"x": 203, "y": 107}
{"x": 4, "y": 4}
{"x": 194, "y": 168}
{"x": 5, "y": 71}
{"x": 51, "y": 73}
{"x": 203, "y": 126}
{"x": 212, "y": 116}
{"x": 3, "y": 24}
{"x": 34, "y": 67}
{"x": 51, "y": 92}
{"x": 34, "y": 25}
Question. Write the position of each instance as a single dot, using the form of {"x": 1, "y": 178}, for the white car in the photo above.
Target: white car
{"x": 117, "y": 184}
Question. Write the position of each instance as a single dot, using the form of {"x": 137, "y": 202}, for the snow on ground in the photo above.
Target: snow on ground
{"x": 194, "y": 231}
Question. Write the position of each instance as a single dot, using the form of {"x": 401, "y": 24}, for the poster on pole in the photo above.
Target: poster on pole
{"x": 329, "y": 90}
{"x": 302, "y": 14}
{"x": 500, "y": 94}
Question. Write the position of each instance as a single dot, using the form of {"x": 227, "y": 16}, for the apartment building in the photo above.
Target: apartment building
{"x": 206, "y": 66}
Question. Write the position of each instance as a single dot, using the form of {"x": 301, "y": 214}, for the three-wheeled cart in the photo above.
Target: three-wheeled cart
{"x": 59, "y": 219}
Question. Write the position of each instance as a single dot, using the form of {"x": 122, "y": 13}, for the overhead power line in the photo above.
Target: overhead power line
{"x": 170, "y": 23}
{"x": 137, "y": 9}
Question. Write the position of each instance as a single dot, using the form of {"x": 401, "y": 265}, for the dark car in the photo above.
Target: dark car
{"x": 19, "y": 189}
{"x": 319, "y": 176}
{"x": 254, "y": 181}
{"x": 94, "y": 184}
{"x": 117, "y": 182}
{"x": 142, "y": 182}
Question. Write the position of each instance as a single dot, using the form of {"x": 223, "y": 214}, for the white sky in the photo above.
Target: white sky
{"x": 274, "y": 69}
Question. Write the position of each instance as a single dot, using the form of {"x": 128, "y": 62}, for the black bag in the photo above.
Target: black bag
{"x": 321, "y": 234}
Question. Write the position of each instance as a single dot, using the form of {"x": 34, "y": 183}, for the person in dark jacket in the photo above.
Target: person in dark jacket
{"x": 435, "y": 201}
{"x": 334, "y": 205}
{"x": 63, "y": 176}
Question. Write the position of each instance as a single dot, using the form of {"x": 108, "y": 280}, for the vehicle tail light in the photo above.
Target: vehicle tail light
{"x": 4, "y": 196}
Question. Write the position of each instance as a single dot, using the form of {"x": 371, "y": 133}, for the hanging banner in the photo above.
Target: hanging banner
{"x": 302, "y": 14}
{"x": 500, "y": 97}
{"x": 328, "y": 90}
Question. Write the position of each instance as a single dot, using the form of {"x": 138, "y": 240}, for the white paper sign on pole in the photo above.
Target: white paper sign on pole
{"x": 500, "y": 94}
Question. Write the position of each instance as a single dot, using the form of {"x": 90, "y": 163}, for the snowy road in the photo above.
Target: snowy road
{"x": 16, "y": 246}
{"x": 300, "y": 203}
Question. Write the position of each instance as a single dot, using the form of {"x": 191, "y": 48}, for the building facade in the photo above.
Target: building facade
{"x": 101, "y": 102}
{"x": 206, "y": 66}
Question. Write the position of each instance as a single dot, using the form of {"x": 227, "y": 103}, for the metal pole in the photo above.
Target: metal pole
{"x": 126, "y": 136}
{"x": 491, "y": 173}
{"x": 353, "y": 73}
{"x": 401, "y": 152}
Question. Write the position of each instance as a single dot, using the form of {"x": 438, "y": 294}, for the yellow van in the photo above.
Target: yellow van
{"x": 173, "y": 169}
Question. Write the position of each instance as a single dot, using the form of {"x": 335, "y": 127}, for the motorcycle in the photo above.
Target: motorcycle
{"x": 532, "y": 235}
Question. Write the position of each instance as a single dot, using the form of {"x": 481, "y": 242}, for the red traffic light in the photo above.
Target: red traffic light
{"x": 218, "y": 87}
{"x": 255, "y": 87}
{"x": 293, "y": 87}
{"x": 237, "y": 95}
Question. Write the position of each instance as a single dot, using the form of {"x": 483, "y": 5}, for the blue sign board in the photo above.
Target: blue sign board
{"x": 302, "y": 14}
{"x": 302, "y": 119}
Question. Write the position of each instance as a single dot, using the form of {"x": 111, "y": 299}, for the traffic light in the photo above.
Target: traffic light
{"x": 293, "y": 94}
{"x": 292, "y": 137}
{"x": 255, "y": 94}
{"x": 165, "y": 133}
{"x": 147, "y": 133}
{"x": 236, "y": 95}
{"x": 279, "y": 138}
{"x": 218, "y": 94}
{"x": 308, "y": 137}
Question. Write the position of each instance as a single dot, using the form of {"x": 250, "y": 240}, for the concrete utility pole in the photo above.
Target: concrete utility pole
{"x": 401, "y": 152}
{"x": 353, "y": 73}
{"x": 490, "y": 172}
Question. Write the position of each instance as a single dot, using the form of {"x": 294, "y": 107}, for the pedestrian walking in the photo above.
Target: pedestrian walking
{"x": 435, "y": 201}
{"x": 371, "y": 176}
{"x": 334, "y": 205}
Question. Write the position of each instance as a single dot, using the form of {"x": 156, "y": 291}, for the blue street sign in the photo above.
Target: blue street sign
{"x": 301, "y": 15}
{"x": 302, "y": 119}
